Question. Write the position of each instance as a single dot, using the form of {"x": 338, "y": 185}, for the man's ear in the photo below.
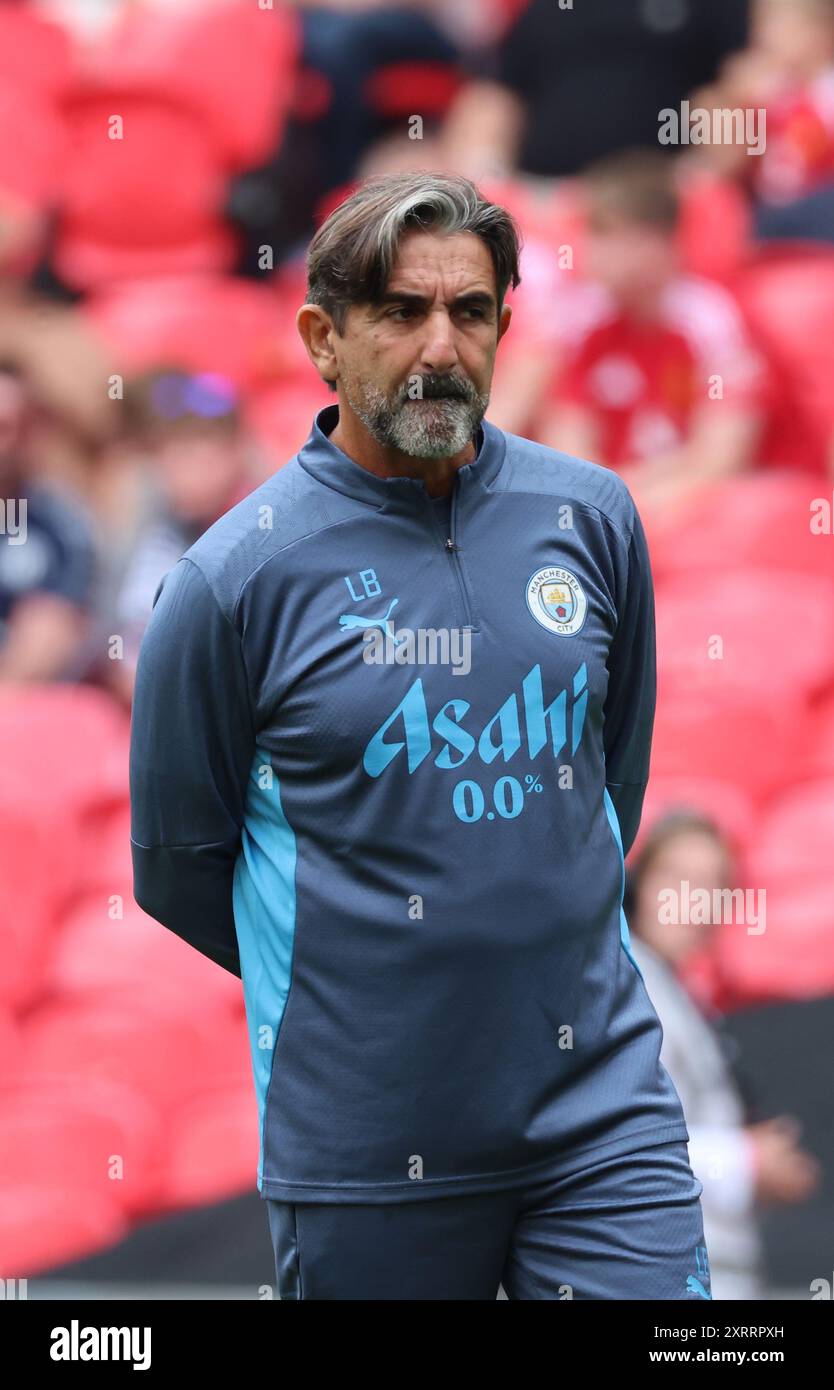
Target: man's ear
{"x": 504, "y": 320}
{"x": 317, "y": 328}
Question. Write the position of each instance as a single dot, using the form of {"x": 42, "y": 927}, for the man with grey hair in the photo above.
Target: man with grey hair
{"x": 418, "y": 873}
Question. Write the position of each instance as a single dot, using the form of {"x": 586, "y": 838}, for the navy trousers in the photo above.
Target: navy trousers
{"x": 627, "y": 1228}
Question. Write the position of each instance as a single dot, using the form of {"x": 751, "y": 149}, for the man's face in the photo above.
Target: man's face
{"x": 417, "y": 368}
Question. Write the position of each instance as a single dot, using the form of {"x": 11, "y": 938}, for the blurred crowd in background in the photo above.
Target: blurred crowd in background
{"x": 162, "y": 168}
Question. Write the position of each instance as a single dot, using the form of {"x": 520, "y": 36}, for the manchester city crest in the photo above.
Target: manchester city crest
{"x": 557, "y": 600}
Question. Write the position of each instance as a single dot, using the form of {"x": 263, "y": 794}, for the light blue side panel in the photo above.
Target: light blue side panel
{"x": 611, "y": 813}
{"x": 264, "y": 901}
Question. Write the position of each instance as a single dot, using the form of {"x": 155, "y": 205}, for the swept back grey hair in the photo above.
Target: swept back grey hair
{"x": 351, "y": 256}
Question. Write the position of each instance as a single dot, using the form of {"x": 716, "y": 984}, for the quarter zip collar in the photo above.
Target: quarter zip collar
{"x": 330, "y": 465}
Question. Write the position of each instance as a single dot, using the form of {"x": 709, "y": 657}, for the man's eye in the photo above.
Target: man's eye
{"x": 400, "y": 309}
{"x": 475, "y": 310}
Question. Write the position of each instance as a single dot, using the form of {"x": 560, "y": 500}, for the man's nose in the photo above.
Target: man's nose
{"x": 439, "y": 353}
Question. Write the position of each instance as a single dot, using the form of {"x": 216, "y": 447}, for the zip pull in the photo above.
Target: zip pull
{"x": 450, "y": 544}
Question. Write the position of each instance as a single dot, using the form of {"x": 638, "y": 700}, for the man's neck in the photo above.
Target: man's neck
{"x": 354, "y": 439}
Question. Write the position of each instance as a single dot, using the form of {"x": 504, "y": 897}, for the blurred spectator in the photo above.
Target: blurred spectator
{"x": 189, "y": 432}
{"x": 570, "y": 83}
{"x": 66, "y": 371}
{"x": 347, "y": 45}
{"x": 47, "y": 554}
{"x": 366, "y": 66}
{"x": 787, "y": 72}
{"x": 657, "y": 377}
{"x": 739, "y": 1164}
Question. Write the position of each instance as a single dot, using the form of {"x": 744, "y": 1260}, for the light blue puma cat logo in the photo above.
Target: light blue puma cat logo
{"x": 694, "y": 1285}
{"x": 351, "y": 620}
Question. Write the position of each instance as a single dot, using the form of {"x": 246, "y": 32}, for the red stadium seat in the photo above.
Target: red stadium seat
{"x": 105, "y": 863}
{"x": 793, "y": 958}
{"x": 149, "y": 203}
{"x": 729, "y": 806}
{"x": 234, "y": 63}
{"x": 200, "y": 323}
{"x": 30, "y": 163}
{"x": 795, "y": 838}
{"x": 43, "y": 1227}
{"x": 70, "y": 743}
{"x": 214, "y": 1149}
{"x": 789, "y": 869}
{"x": 155, "y": 1050}
{"x": 732, "y": 526}
{"x": 776, "y": 632}
{"x": 97, "y": 959}
{"x": 65, "y": 763}
{"x": 743, "y": 739}
{"x": 37, "y": 859}
{"x": 35, "y": 54}
{"x": 34, "y": 72}
{"x": 99, "y": 1140}
{"x": 788, "y": 300}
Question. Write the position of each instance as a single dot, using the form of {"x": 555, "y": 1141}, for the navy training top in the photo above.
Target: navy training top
{"x": 387, "y": 775}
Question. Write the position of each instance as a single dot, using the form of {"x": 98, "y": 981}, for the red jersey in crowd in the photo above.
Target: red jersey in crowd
{"x": 644, "y": 380}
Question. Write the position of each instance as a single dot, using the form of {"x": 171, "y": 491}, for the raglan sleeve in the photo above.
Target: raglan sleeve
{"x": 632, "y": 688}
{"x": 192, "y": 741}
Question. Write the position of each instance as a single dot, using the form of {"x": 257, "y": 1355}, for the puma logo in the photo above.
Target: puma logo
{"x": 348, "y": 621}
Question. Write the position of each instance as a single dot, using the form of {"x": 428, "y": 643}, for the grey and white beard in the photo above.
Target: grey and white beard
{"x": 436, "y": 427}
